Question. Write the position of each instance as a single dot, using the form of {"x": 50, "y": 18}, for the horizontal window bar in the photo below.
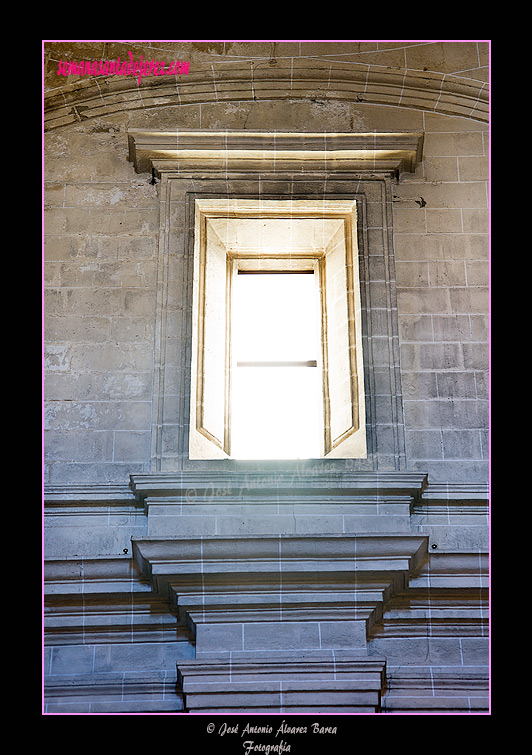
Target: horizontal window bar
{"x": 309, "y": 363}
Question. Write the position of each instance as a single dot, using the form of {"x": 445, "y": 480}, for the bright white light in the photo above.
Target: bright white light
{"x": 275, "y": 318}
{"x": 275, "y": 409}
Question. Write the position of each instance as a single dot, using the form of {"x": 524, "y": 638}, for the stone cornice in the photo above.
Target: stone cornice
{"x": 144, "y": 485}
{"x": 89, "y": 493}
{"x": 165, "y": 561}
{"x": 114, "y": 692}
{"x": 290, "y": 80}
{"x": 73, "y": 576}
{"x": 252, "y": 151}
{"x": 332, "y": 682}
{"x": 457, "y": 492}
{"x": 292, "y": 480}
{"x": 281, "y": 580}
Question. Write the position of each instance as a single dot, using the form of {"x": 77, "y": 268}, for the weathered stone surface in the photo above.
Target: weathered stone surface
{"x": 248, "y": 559}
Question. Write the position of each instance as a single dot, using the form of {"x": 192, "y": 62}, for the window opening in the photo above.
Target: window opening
{"x": 238, "y": 241}
{"x": 276, "y": 386}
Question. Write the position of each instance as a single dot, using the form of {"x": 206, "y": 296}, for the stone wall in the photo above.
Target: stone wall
{"x": 101, "y": 225}
{"x": 119, "y": 633}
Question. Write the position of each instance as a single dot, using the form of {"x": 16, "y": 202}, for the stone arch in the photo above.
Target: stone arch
{"x": 288, "y": 79}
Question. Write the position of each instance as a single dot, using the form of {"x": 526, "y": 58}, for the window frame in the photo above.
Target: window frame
{"x": 312, "y": 216}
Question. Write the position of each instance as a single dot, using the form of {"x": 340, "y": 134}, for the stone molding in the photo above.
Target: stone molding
{"x": 289, "y": 479}
{"x": 159, "y": 559}
{"x": 388, "y": 587}
{"x": 450, "y": 570}
{"x": 281, "y": 623}
{"x": 76, "y": 494}
{"x": 289, "y": 80}
{"x": 457, "y": 491}
{"x": 142, "y": 486}
{"x": 452, "y": 690}
{"x": 112, "y": 693}
{"x": 182, "y": 151}
{"x": 244, "y": 594}
{"x": 334, "y": 684}
{"x": 94, "y": 608}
